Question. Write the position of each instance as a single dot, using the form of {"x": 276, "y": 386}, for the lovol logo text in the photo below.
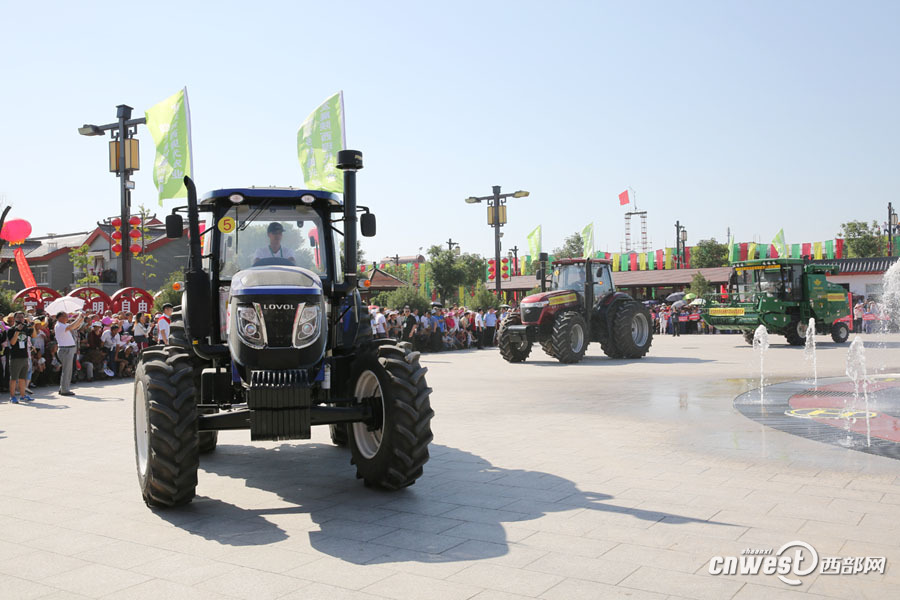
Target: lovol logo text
{"x": 277, "y": 306}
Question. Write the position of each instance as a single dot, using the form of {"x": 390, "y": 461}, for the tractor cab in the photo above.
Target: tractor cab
{"x": 574, "y": 273}
{"x": 780, "y": 280}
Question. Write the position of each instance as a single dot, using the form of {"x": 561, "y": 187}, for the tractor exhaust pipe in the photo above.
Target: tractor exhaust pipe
{"x": 196, "y": 247}
{"x": 349, "y": 161}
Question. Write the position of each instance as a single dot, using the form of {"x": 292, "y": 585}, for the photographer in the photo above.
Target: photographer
{"x": 18, "y": 336}
{"x": 65, "y": 352}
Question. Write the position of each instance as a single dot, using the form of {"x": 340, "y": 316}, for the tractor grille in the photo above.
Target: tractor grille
{"x": 279, "y": 326}
{"x": 531, "y": 315}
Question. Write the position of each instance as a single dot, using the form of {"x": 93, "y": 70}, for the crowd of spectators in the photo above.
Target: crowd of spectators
{"x": 438, "y": 329}
{"x": 51, "y": 350}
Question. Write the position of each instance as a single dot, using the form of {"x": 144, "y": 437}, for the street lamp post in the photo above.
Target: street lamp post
{"x": 496, "y": 218}
{"x": 451, "y": 244}
{"x": 891, "y": 227}
{"x": 515, "y": 257}
{"x": 123, "y": 161}
{"x": 680, "y": 239}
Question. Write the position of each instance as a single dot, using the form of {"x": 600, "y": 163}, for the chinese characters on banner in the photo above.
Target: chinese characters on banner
{"x": 318, "y": 141}
{"x": 169, "y": 123}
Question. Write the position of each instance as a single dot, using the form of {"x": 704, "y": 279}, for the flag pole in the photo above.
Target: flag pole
{"x": 634, "y": 197}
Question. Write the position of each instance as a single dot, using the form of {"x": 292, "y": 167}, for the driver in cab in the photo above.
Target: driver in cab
{"x": 275, "y": 232}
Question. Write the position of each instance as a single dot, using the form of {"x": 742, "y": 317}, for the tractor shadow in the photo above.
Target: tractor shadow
{"x": 604, "y": 360}
{"x": 455, "y": 512}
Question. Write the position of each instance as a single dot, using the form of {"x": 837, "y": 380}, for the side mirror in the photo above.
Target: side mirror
{"x": 174, "y": 226}
{"x": 367, "y": 225}
{"x": 312, "y": 242}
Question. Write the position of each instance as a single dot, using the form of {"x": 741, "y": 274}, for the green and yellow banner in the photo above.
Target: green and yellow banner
{"x": 169, "y": 123}
{"x": 587, "y": 240}
{"x": 318, "y": 141}
{"x": 534, "y": 243}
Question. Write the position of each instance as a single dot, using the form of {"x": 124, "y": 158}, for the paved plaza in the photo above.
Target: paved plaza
{"x": 606, "y": 479}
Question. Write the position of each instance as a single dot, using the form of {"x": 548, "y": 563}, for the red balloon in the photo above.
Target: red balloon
{"x": 16, "y": 231}
{"x": 134, "y": 221}
{"x": 134, "y": 234}
{"x": 135, "y": 248}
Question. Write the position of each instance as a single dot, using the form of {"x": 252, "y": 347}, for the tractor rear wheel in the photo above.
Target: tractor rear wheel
{"x": 569, "y": 339}
{"x": 390, "y": 455}
{"x": 165, "y": 427}
{"x": 607, "y": 343}
{"x": 547, "y": 347}
{"x": 748, "y": 337}
{"x": 840, "y": 333}
{"x": 796, "y": 333}
{"x": 631, "y": 330}
{"x": 178, "y": 337}
{"x": 512, "y": 351}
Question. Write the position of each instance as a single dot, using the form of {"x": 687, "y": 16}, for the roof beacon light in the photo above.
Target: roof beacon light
{"x": 236, "y": 198}
{"x": 307, "y": 198}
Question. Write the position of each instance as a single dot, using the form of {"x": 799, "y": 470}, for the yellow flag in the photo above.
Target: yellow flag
{"x": 615, "y": 262}
{"x": 642, "y": 261}
{"x": 817, "y": 250}
{"x": 670, "y": 263}
{"x": 751, "y": 250}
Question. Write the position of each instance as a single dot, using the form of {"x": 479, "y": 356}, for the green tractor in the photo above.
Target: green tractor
{"x": 272, "y": 337}
{"x": 783, "y": 294}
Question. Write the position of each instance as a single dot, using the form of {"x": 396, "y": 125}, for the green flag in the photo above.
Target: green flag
{"x": 587, "y": 239}
{"x": 534, "y": 243}
{"x": 169, "y": 123}
{"x": 779, "y": 244}
{"x": 795, "y": 250}
{"x": 829, "y": 249}
{"x": 318, "y": 141}
{"x": 651, "y": 264}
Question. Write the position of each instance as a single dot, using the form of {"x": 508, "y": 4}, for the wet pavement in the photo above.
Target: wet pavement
{"x": 598, "y": 480}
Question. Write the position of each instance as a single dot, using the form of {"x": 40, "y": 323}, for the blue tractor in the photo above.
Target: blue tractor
{"x": 272, "y": 336}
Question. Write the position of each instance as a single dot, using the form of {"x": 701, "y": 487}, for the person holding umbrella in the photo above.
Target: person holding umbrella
{"x": 65, "y": 352}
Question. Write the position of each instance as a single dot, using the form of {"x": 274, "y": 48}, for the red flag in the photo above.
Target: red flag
{"x": 687, "y": 257}
{"x": 633, "y": 262}
{"x": 623, "y": 198}
{"x": 660, "y": 259}
{"x": 24, "y": 270}
{"x": 773, "y": 253}
{"x": 806, "y": 250}
{"x": 839, "y": 248}
{"x": 744, "y": 250}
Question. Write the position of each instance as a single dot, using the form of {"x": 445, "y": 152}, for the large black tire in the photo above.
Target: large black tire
{"x": 547, "y": 347}
{"x": 748, "y": 337}
{"x": 510, "y": 351}
{"x": 796, "y": 333}
{"x": 178, "y": 337}
{"x": 165, "y": 427}
{"x": 339, "y": 434}
{"x": 607, "y": 343}
{"x": 569, "y": 337}
{"x": 840, "y": 333}
{"x": 392, "y": 456}
{"x": 632, "y": 330}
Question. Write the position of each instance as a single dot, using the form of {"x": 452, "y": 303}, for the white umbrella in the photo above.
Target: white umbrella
{"x": 698, "y": 302}
{"x": 65, "y": 304}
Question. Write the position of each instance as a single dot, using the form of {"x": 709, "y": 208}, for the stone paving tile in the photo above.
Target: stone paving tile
{"x": 603, "y": 570}
{"x": 316, "y": 591}
{"x": 418, "y": 541}
{"x": 506, "y": 579}
{"x": 157, "y": 589}
{"x": 674, "y": 560}
{"x": 424, "y": 523}
{"x": 683, "y": 584}
{"x": 123, "y": 555}
{"x": 338, "y": 573}
{"x": 39, "y": 564}
{"x": 437, "y": 566}
{"x": 502, "y": 534}
{"x": 184, "y": 569}
{"x": 274, "y": 559}
{"x": 250, "y": 584}
{"x": 406, "y": 586}
{"x": 752, "y": 591}
{"x": 512, "y": 555}
{"x": 22, "y": 589}
{"x": 567, "y": 544}
{"x": 95, "y": 580}
{"x": 579, "y": 589}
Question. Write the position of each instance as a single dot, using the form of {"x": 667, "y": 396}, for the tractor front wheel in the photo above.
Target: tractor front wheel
{"x": 391, "y": 452}
{"x": 512, "y": 351}
{"x": 631, "y": 330}
{"x": 840, "y": 333}
{"x": 166, "y": 442}
{"x": 569, "y": 339}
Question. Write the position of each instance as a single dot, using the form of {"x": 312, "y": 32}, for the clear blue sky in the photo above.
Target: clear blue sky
{"x": 754, "y": 115}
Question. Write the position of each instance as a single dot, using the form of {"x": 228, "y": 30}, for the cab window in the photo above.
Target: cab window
{"x": 602, "y": 281}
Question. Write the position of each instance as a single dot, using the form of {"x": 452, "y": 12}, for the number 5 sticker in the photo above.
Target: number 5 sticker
{"x": 226, "y": 224}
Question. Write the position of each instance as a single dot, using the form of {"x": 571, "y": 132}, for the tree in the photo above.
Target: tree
{"x": 7, "y": 304}
{"x": 360, "y": 253}
{"x": 403, "y": 296}
{"x": 484, "y": 298}
{"x": 167, "y": 295}
{"x": 709, "y": 253}
{"x": 81, "y": 264}
{"x": 144, "y": 258}
{"x": 862, "y": 240}
{"x": 573, "y": 247}
{"x": 700, "y": 285}
{"x": 449, "y": 270}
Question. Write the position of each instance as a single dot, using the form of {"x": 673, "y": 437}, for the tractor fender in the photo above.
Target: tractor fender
{"x": 606, "y": 307}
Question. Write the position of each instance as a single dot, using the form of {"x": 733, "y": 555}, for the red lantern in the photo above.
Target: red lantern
{"x": 117, "y": 248}
{"x": 135, "y": 248}
{"x": 117, "y": 235}
{"x": 117, "y": 222}
{"x": 134, "y": 221}
{"x": 16, "y": 231}
{"x": 134, "y": 234}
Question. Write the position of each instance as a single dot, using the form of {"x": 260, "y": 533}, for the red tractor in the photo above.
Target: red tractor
{"x": 582, "y": 306}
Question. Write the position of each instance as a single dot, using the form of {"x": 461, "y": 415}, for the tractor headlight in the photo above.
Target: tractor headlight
{"x": 250, "y": 327}
{"x": 306, "y": 325}
{"x": 538, "y": 304}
